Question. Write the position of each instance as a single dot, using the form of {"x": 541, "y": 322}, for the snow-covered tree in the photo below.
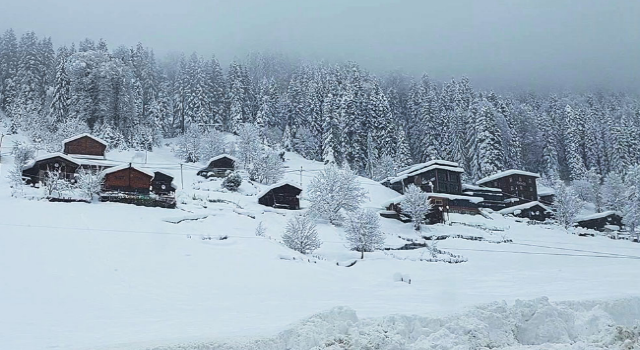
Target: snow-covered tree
{"x": 188, "y": 145}
{"x": 416, "y": 205}
{"x": 363, "y": 231}
{"x": 332, "y": 191}
{"x": 88, "y": 183}
{"x": 248, "y": 145}
{"x": 212, "y": 143}
{"x": 631, "y": 210}
{"x": 567, "y": 204}
{"x": 55, "y": 184}
{"x": 613, "y": 191}
{"x": 267, "y": 168}
{"x": 22, "y": 152}
{"x": 301, "y": 235}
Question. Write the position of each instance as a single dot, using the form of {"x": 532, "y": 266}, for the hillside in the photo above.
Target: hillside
{"x": 116, "y": 276}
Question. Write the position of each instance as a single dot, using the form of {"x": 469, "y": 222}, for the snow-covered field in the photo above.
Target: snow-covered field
{"x": 117, "y": 276}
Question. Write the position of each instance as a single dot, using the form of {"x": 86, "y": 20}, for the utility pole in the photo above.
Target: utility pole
{"x": 1, "y": 137}
{"x": 301, "y": 175}
{"x": 181, "y": 177}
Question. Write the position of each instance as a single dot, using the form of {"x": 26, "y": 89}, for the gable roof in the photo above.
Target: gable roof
{"x": 279, "y": 184}
{"x": 399, "y": 199}
{"x": 505, "y": 173}
{"x": 426, "y": 164}
{"x": 527, "y": 205}
{"x": 224, "y": 155}
{"x": 421, "y": 170}
{"x": 125, "y": 166}
{"x": 480, "y": 188}
{"x": 604, "y": 214}
{"x": 163, "y": 173}
{"x": 33, "y": 162}
{"x": 73, "y": 138}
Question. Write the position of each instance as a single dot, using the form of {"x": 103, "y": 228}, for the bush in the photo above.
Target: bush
{"x": 301, "y": 235}
{"x": 232, "y": 182}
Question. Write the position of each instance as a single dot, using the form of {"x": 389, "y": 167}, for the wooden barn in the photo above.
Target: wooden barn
{"x": 608, "y": 220}
{"x": 162, "y": 183}
{"x": 530, "y": 210}
{"x": 437, "y": 176}
{"x": 283, "y": 195}
{"x": 127, "y": 178}
{"x": 219, "y": 166}
{"x": 85, "y": 146}
{"x": 517, "y": 185}
{"x": 35, "y": 171}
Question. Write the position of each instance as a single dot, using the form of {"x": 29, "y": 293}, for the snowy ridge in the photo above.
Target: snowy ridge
{"x": 598, "y": 215}
{"x": 506, "y": 173}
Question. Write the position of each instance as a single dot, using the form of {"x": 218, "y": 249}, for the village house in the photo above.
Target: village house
{"x": 518, "y": 186}
{"x": 36, "y": 170}
{"x": 84, "y": 146}
{"x": 492, "y": 198}
{"x": 531, "y": 210}
{"x": 285, "y": 195}
{"x": 438, "y": 176}
{"x": 442, "y": 204}
{"x": 219, "y": 166}
{"x": 127, "y": 178}
{"x": 605, "y": 221}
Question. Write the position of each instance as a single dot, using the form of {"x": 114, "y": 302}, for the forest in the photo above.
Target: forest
{"x": 336, "y": 112}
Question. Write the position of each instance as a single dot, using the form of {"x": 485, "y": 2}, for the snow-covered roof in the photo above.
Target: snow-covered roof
{"x": 399, "y": 199}
{"x": 480, "y": 188}
{"x": 222, "y": 156}
{"x": 73, "y": 138}
{"x": 598, "y": 215}
{"x": 422, "y": 170}
{"x": 125, "y": 166}
{"x": 32, "y": 162}
{"x": 523, "y": 206}
{"x": 163, "y": 173}
{"x": 506, "y": 173}
{"x": 545, "y": 191}
{"x": 279, "y": 184}
{"x": 419, "y": 166}
{"x": 86, "y": 156}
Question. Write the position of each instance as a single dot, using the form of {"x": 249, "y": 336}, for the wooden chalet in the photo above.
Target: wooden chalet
{"x": 84, "y": 146}
{"x": 438, "y": 176}
{"x": 36, "y": 170}
{"x": 605, "y": 221}
{"x": 492, "y": 198}
{"x": 546, "y": 195}
{"x": 531, "y": 210}
{"x": 219, "y": 166}
{"x": 518, "y": 186}
{"x": 442, "y": 203}
{"x": 283, "y": 195}
{"x": 162, "y": 183}
{"x": 127, "y": 178}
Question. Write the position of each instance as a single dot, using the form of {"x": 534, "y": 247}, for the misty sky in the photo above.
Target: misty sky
{"x": 554, "y": 44}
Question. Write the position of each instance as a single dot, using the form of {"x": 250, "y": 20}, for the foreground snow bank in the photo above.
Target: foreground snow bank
{"x": 530, "y": 324}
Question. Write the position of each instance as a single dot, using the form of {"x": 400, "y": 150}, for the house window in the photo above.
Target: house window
{"x": 438, "y": 201}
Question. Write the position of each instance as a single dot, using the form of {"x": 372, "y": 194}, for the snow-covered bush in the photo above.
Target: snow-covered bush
{"x": 261, "y": 231}
{"x": 15, "y": 179}
{"x": 267, "y": 168}
{"x": 416, "y": 205}
{"x": 22, "y": 152}
{"x": 55, "y": 184}
{"x": 88, "y": 183}
{"x": 567, "y": 204}
{"x": 363, "y": 231}
{"x": 301, "y": 235}
{"x": 232, "y": 181}
{"x": 333, "y": 190}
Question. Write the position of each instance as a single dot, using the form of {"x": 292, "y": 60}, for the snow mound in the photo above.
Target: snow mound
{"x": 528, "y": 324}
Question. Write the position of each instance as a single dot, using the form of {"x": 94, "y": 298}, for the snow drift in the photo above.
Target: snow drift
{"x": 527, "y": 324}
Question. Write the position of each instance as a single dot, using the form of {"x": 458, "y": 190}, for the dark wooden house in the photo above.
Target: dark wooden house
{"x": 492, "y": 198}
{"x": 531, "y": 210}
{"x": 35, "y": 171}
{"x": 162, "y": 183}
{"x": 546, "y": 195}
{"x": 85, "y": 145}
{"x": 283, "y": 195}
{"x": 436, "y": 176}
{"x": 442, "y": 204}
{"x": 601, "y": 221}
{"x": 127, "y": 179}
{"x": 518, "y": 186}
{"x": 219, "y": 166}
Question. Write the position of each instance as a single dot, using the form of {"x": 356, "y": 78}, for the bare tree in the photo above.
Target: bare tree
{"x": 363, "y": 231}
{"x": 301, "y": 235}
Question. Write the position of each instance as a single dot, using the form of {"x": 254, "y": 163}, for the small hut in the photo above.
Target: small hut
{"x": 85, "y": 146}
{"x": 530, "y": 210}
{"x": 600, "y": 221}
{"x": 219, "y": 166}
{"x": 283, "y": 195}
{"x": 162, "y": 183}
{"x": 35, "y": 171}
{"x": 127, "y": 178}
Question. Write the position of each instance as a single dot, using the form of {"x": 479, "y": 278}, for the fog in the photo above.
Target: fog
{"x": 535, "y": 44}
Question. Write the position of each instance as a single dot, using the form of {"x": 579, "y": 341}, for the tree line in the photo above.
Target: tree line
{"x": 333, "y": 112}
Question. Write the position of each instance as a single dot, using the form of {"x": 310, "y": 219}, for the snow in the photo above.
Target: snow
{"x": 505, "y": 173}
{"x": 512, "y": 210}
{"x": 84, "y": 135}
{"x": 545, "y": 191}
{"x": 279, "y": 184}
{"x": 597, "y": 215}
{"x": 126, "y": 166}
{"x": 116, "y": 276}
{"x": 479, "y": 188}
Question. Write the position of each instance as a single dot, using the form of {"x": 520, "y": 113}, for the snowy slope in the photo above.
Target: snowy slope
{"x": 106, "y": 275}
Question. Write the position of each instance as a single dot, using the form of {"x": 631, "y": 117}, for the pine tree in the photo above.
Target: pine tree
{"x": 59, "y": 108}
{"x": 631, "y": 210}
{"x": 613, "y": 191}
{"x": 489, "y": 153}
{"x": 574, "y": 143}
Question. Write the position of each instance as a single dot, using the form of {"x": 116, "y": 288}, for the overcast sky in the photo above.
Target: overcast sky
{"x": 497, "y": 43}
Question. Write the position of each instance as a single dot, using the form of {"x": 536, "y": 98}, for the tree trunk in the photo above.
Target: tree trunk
{"x": 362, "y": 254}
